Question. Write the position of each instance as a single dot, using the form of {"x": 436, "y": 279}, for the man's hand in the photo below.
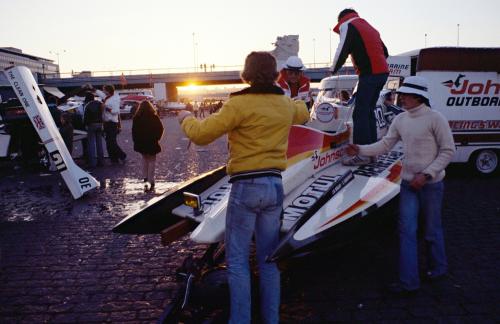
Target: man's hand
{"x": 352, "y": 149}
{"x": 418, "y": 181}
{"x": 183, "y": 114}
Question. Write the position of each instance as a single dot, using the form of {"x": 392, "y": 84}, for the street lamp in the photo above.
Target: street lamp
{"x": 330, "y": 33}
{"x": 194, "y": 54}
{"x": 314, "y": 52}
{"x": 57, "y": 54}
{"x": 197, "y": 54}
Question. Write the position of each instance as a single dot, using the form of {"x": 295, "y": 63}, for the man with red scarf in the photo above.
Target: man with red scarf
{"x": 293, "y": 82}
{"x": 368, "y": 55}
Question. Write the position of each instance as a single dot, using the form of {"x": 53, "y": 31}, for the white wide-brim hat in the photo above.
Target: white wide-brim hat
{"x": 415, "y": 85}
{"x": 294, "y": 63}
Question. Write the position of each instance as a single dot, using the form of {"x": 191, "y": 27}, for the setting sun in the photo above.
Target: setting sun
{"x": 191, "y": 87}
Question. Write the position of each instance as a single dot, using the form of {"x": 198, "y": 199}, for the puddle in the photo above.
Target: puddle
{"x": 20, "y": 217}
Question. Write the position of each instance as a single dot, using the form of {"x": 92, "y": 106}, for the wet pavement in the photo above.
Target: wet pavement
{"x": 60, "y": 262}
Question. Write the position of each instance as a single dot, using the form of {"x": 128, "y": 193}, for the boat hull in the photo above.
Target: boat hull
{"x": 157, "y": 215}
{"x": 323, "y": 198}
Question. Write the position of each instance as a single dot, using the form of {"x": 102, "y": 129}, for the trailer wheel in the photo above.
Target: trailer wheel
{"x": 485, "y": 162}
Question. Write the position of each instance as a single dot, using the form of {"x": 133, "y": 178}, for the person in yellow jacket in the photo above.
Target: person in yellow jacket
{"x": 257, "y": 120}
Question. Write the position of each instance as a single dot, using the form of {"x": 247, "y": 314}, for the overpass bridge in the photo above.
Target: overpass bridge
{"x": 169, "y": 80}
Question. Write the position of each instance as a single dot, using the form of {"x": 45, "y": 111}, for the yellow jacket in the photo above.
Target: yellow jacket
{"x": 257, "y": 122}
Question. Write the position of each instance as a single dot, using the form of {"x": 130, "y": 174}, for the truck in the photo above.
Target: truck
{"x": 464, "y": 85}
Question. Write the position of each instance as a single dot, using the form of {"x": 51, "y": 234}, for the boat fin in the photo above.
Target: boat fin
{"x": 30, "y": 96}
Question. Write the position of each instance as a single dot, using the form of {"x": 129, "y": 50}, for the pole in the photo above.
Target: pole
{"x": 458, "y": 35}
{"x": 330, "y": 33}
{"x": 194, "y": 54}
{"x": 314, "y": 52}
{"x": 58, "y": 62}
{"x": 197, "y": 54}
{"x": 425, "y": 40}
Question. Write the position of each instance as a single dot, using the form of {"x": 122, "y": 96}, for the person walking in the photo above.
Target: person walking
{"x": 428, "y": 148}
{"x": 368, "y": 54}
{"x": 257, "y": 120}
{"x": 111, "y": 119}
{"x": 147, "y": 130}
{"x": 92, "y": 121}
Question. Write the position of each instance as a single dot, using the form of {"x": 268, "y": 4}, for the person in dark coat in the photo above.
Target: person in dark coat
{"x": 147, "y": 131}
{"x": 66, "y": 131}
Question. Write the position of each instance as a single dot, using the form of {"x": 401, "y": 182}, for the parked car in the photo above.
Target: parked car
{"x": 129, "y": 104}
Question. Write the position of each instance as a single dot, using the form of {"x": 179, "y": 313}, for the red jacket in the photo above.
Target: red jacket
{"x": 300, "y": 92}
{"x": 363, "y": 42}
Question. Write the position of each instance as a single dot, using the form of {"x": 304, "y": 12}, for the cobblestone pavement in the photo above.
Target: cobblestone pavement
{"x": 60, "y": 262}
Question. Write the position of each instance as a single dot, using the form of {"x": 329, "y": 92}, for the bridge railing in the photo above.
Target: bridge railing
{"x": 128, "y": 72}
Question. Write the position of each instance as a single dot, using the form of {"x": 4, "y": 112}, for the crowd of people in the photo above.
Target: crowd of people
{"x": 204, "y": 108}
{"x": 258, "y": 119}
{"x": 101, "y": 120}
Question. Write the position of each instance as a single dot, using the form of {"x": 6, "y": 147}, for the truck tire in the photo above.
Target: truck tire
{"x": 485, "y": 162}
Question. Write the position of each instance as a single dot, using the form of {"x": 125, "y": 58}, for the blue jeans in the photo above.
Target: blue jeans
{"x": 114, "y": 150}
{"x": 363, "y": 117}
{"x": 95, "y": 151}
{"x": 428, "y": 201}
{"x": 254, "y": 207}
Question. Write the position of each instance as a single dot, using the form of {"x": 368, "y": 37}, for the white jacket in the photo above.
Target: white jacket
{"x": 112, "y": 103}
{"x": 428, "y": 143}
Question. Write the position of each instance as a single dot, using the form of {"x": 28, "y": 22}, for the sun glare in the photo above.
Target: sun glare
{"x": 191, "y": 87}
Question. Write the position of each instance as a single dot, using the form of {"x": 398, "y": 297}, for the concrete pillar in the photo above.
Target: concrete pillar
{"x": 165, "y": 91}
{"x": 172, "y": 94}
{"x": 160, "y": 91}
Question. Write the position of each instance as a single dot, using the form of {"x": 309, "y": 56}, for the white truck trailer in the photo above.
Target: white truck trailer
{"x": 464, "y": 86}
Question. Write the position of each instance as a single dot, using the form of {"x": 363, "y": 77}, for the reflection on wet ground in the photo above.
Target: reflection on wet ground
{"x": 131, "y": 186}
{"x": 43, "y": 196}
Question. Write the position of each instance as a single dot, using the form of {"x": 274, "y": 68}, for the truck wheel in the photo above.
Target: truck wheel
{"x": 485, "y": 162}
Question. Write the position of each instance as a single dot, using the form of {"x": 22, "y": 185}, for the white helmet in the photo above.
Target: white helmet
{"x": 294, "y": 63}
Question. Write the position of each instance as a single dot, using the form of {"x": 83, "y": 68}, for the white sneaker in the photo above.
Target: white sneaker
{"x": 356, "y": 160}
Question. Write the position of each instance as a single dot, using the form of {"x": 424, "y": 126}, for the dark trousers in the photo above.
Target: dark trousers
{"x": 365, "y": 127}
{"x": 114, "y": 151}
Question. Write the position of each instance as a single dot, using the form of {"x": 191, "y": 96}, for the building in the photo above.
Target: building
{"x": 41, "y": 67}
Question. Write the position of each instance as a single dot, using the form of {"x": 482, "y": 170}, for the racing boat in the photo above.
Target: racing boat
{"x": 325, "y": 202}
{"x": 322, "y": 196}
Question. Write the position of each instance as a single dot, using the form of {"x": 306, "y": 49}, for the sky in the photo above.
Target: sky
{"x": 154, "y": 34}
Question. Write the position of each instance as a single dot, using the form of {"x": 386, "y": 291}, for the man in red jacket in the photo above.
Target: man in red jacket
{"x": 293, "y": 82}
{"x": 368, "y": 55}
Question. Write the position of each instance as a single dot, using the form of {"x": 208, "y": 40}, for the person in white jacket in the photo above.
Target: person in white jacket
{"x": 111, "y": 120}
{"x": 428, "y": 148}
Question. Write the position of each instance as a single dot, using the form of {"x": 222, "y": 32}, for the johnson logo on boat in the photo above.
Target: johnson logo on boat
{"x": 466, "y": 93}
{"x": 326, "y": 112}
{"x": 328, "y": 158}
